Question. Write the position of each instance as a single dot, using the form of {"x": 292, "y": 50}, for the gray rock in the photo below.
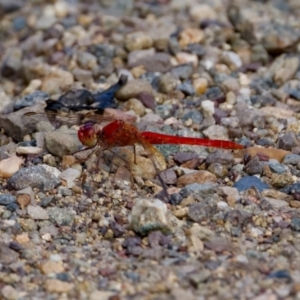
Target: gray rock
{"x": 12, "y": 62}
{"x": 149, "y": 215}
{"x": 37, "y": 213}
{"x": 276, "y": 29}
{"x": 61, "y": 216}
{"x": 35, "y": 177}
{"x": 254, "y": 166}
{"x": 7, "y": 255}
{"x": 295, "y": 224}
{"x": 62, "y": 143}
{"x": 7, "y": 199}
{"x": 31, "y": 99}
{"x": 292, "y": 159}
{"x": 199, "y": 212}
{"x": 183, "y": 71}
{"x": 288, "y": 141}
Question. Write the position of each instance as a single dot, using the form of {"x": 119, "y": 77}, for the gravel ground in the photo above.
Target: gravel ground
{"x": 101, "y": 229}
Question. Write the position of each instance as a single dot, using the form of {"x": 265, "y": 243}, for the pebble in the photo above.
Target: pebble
{"x": 196, "y": 177}
{"x": 167, "y": 83}
{"x": 281, "y": 180}
{"x": 276, "y": 203}
{"x": 28, "y": 150}
{"x": 208, "y": 108}
{"x": 149, "y": 215}
{"x": 58, "y": 286}
{"x": 61, "y": 216}
{"x": 182, "y": 72}
{"x": 50, "y": 267}
{"x": 217, "y": 169}
{"x": 34, "y": 177}
{"x": 231, "y": 59}
{"x": 292, "y": 159}
{"x": 60, "y": 143}
{"x": 254, "y": 166}
{"x": 9, "y": 166}
{"x": 216, "y": 132}
{"x": 288, "y": 141}
{"x": 69, "y": 175}
{"x": 133, "y": 88}
{"x": 10, "y": 293}
{"x": 37, "y": 212}
{"x": 231, "y": 194}
{"x": 7, "y": 199}
{"x": 202, "y": 12}
{"x": 57, "y": 81}
{"x": 138, "y": 41}
{"x": 247, "y": 182}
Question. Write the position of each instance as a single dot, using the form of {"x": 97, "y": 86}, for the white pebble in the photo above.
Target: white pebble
{"x": 208, "y": 108}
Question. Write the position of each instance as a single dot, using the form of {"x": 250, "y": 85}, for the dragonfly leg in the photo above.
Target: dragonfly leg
{"x": 86, "y": 158}
{"x": 134, "y": 152}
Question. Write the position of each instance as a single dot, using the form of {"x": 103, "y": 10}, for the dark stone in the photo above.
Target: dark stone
{"x": 288, "y": 141}
{"x": 7, "y": 199}
{"x": 183, "y": 71}
{"x": 175, "y": 199}
{"x": 254, "y": 166}
{"x": 35, "y": 177}
{"x": 247, "y": 182}
{"x": 31, "y": 99}
{"x": 291, "y": 189}
{"x": 223, "y": 158}
{"x": 147, "y": 100}
{"x": 199, "y": 212}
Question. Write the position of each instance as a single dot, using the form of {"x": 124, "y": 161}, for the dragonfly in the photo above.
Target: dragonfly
{"x": 121, "y": 132}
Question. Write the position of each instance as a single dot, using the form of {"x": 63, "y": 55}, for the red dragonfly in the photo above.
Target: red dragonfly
{"x": 119, "y": 133}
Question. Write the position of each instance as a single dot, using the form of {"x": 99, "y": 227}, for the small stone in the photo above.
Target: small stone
{"x": 288, "y": 141}
{"x": 58, "y": 286}
{"x": 254, "y": 166}
{"x": 202, "y": 12}
{"x": 247, "y": 182}
{"x": 276, "y": 203}
{"x": 184, "y": 58}
{"x": 217, "y": 169}
{"x": 57, "y": 81}
{"x": 22, "y": 238}
{"x": 10, "y": 293}
{"x": 28, "y": 150}
{"x": 24, "y": 200}
{"x": 61, "y": 216}
{"x": 295, "y": 203}
{"x": 136, "y": 106}
{"x": 12, "y": 61}
{"x": 292, "y": 159}
{"x": 231, "y": 194}
{"x": 281, "y": 180}
{"x": 69, "y": 175}
{"x": 182, "y": 71}
{"x": 295, "y": 224}
{"x": 138, "y": 41}
{"x": 86, "y": 60}
{"x": 216, "y": 132}
{"x": 7, "y": 255}
{"x": 190, "y": 36}
{"x": 51, "y": 267}
{"x": 231, "y": 59}
{"x": 37, "y": 213}
{"x": 34, "y": 176}
{"x": 196, "y": 177}
{"x": 208, "y": 108}
{"x": 9, "y": 166}
{"x": 133, "y": 88}
{"x": 103, "y": 295}
{"x": 60, "y": 143}
{"x": 200, "y": 85}
{"x": 149, "y": 215}
{"x": 199, "y": 212}
{"x": 167, "y": 83}
{"x": 7, "y": 199}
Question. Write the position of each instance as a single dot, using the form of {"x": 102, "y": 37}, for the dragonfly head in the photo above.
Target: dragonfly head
{"x": 87, "y": 134}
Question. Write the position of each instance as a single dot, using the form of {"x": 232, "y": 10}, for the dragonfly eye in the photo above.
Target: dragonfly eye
{"x": 87, "y": 134}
